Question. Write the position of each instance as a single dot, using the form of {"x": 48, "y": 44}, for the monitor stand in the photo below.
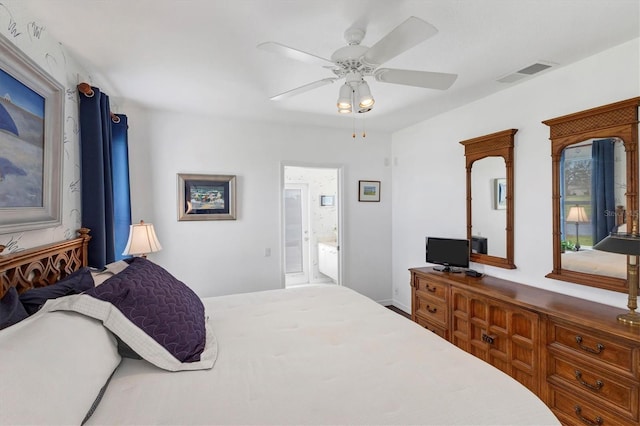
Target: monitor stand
{"x": 449, "y": 269}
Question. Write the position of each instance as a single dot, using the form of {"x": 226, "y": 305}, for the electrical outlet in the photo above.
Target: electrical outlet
{"x": 267, "y": 252}
{"x": 395, "y": 291}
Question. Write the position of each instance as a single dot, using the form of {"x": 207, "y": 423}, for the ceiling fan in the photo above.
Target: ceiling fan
{"x": 355, "y": 61}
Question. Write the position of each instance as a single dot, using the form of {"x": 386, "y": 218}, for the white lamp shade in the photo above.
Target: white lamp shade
{"x": 142, "y": 239}
{"x": 577, "y": 214}
{"x": 344, "y": 98}
{"x": 365, "y": 98}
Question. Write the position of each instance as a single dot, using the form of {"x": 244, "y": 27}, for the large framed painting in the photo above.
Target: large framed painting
{"x": 206, "y": 197}
{"x": 31, "y": 133}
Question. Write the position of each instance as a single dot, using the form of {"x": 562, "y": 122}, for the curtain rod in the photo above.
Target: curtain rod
{"x": 85, "y": 89}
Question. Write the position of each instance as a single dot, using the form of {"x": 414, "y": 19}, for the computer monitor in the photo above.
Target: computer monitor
{"x": 449, "y": 252}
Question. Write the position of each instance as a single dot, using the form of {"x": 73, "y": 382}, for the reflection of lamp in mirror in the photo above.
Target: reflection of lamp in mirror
{"x": 142, "y": 240}
{"x": 629, "y": 244}
{"x": 577, "y": 215}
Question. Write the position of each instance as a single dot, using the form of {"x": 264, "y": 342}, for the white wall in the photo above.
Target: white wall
{"x": 222, "y": 257}
{"x": 429, "y": 178}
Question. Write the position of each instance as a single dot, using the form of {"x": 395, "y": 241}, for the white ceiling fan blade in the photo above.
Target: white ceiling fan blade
{"x": 302, "y": 89}
{"x": 426, "y": 79}
{"x": 403, "y": 37}
{"x": 298, "y": 55}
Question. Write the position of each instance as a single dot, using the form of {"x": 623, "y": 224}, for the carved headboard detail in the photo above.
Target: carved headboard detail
{"x": 44, "y": 265}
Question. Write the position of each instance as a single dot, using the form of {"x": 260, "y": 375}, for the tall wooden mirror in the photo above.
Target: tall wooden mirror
{"x": 490, "y": 198}
{"x": 595, "y": 191}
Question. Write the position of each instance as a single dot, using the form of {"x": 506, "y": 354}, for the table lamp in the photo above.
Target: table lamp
{"x": 577, "y": 215}
{"x": 142, "y": 240}
{"x": 629, "y": 244}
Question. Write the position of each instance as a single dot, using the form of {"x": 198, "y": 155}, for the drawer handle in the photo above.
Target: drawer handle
{"x": 489, "y": 338}
{"x": 432, "y": 310}
{"x": 597, "y": 422}
{"x": 599, "y": 384}
{"x": 431, "y": 289}
{"x": 599, "y": 347}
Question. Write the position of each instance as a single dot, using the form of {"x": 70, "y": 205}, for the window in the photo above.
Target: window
{"x": 577, "y": 190}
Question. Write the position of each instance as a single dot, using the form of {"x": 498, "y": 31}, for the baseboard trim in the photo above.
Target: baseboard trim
{"x": 401, "y": 306}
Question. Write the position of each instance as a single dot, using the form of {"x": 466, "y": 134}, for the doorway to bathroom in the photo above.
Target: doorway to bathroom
{"x": 311, "y": 214}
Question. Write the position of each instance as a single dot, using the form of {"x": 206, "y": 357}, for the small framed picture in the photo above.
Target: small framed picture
{"x": 327, "y": 200}
{"x": 206, "y": 197}
{"x": 500, "y": 194}
{"x": 369, "y": 190}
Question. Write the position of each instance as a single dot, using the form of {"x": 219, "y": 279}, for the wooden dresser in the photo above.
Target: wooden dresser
{"x": 572, "y": 353}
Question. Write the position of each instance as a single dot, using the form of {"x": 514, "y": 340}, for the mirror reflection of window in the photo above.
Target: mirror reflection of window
{"x": 576, "y": 194}
{"x": 593, "y": 186}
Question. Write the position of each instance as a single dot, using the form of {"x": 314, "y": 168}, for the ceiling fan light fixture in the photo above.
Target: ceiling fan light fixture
{"x": 344, "y": 98}
{"x": 355, "y": 61}
{"x": 365, "y": 98}
{"x": 366, "y": 102}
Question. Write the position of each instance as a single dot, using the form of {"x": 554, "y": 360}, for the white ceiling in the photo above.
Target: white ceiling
{"x": 200, "y": 56}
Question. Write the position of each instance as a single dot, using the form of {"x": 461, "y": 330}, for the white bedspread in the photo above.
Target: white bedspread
{"x": 596, "y": 262}
{"x": 320, "y": 355}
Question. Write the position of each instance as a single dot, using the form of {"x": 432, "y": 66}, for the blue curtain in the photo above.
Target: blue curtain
{"x": 562, "y": 191}
{"x": 602, "y": 188}
{"x": 106, "y": 205}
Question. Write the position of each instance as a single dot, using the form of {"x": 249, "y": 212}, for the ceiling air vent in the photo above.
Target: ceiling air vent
{"x": 526, "y": 72}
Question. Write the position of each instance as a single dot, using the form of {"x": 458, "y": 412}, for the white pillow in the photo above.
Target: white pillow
{"x": 133, "y": 336}
{"x": 52, "y": 367}
{"x": 110, "y": 270}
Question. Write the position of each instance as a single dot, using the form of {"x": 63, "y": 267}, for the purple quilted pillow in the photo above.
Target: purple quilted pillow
{"x": 160, "y": 305}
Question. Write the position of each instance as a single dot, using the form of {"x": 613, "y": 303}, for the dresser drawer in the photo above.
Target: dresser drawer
{"x": 432, "y": 288}
{"x": 592, "y": 346}
{"x": 440, "y": 331}
{"x": 433, "y": 310}
{"x": 575, "y": 411}
{"x": 596, "y": 385}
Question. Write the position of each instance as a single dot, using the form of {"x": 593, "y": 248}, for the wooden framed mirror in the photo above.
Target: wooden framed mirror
{"x": 490, "y": 198}
{"x": 595, "y": 191}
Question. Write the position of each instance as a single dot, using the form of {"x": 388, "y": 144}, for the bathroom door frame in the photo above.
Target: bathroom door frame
{"x": 339, "y": 168}
{"x": 303, "y": 276}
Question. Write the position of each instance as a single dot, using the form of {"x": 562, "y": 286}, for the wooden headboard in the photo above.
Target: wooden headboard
{"x": 44, "y": 265}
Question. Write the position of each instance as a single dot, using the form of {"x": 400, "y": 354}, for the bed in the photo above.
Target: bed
{"x": 597, "y": 262}
{"x": 309, "y": 355}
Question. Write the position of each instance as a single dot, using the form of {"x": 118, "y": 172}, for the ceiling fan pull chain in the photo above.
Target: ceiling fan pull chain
{"x": 353, "y": 135}
{"x": 364, "y": 132}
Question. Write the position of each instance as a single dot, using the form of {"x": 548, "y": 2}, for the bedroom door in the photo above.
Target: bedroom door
{"x": 296, "y": 233}
{"x": 310, "y": 225}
